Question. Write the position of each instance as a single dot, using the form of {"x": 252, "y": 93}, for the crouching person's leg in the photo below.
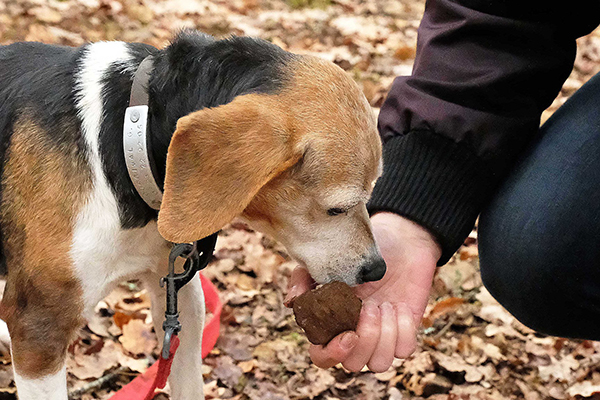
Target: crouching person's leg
{"x": 539, "y": 238}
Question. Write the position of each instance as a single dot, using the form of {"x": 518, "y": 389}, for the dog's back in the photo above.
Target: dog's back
{"x": 30, "y": 69}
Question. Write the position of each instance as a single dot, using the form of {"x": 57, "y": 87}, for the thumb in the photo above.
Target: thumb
{"x": 300, "y": 282}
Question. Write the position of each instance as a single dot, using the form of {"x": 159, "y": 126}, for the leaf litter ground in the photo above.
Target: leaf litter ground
{"x": 470, "y": 347}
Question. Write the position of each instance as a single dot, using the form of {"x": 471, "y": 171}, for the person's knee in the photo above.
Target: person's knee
{"x": 518, "y": 297}
{"x": 523, "y": 277}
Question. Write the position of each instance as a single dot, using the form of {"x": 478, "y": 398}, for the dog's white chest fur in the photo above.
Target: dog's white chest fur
{"x": 103, "y": 253}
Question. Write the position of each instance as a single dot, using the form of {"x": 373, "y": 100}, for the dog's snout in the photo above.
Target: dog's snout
{"x": 373, "y": 270}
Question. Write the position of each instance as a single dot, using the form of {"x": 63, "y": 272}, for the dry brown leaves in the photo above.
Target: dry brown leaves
{"x": 470, "y": 348}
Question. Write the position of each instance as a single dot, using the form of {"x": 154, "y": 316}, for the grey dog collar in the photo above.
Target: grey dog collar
{"x": 135, "y": 144}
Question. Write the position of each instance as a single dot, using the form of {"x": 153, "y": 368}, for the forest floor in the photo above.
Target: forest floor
{"x": 470, "y": 347}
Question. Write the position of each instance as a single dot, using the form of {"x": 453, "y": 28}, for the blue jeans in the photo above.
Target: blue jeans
{"x": 539, "y": 238}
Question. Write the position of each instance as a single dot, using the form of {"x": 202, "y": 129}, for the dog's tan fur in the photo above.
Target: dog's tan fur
{"x": 274, "y": 157}
{"x": 218, "y": 159}
{"x": 43, "y": 188}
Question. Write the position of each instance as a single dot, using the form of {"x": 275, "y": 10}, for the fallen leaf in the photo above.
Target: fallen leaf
{"x": 99, "y": 324}
{"x": 227, "y": 371}
{"x": 138, "y": 337}
{"x": 245, "y": 282}
{"x": 560, "y": 370}
{"x": 455, "y": 363}
{"x": 134, "y": 303}
{"x": 46, "y": 14}
{"x": 93, "y": 366}
{"x": 121, "y": 319}
{"x": 311, "y": 383}
{"x": 442, "y": 308}
{"x": 405, "y": 53}
{"x": 247, "y": 366}
{"x": 584, "y": 389}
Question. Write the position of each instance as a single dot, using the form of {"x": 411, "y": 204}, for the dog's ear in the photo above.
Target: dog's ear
{"x": 217, "y": 161}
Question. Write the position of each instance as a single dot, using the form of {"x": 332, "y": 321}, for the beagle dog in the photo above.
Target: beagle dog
{"x": 236, "y": 128}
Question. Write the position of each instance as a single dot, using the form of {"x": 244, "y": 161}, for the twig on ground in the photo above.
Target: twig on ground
{"x": 446, "y": 327}
{"x": 97, "y": 383}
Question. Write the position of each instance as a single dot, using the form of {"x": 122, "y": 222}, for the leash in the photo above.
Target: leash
{"x": 144, "y": 386}
{"x": 197, "y": 255}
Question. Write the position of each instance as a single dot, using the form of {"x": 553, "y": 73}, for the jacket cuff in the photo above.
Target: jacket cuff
{"x": 435, "y": 182}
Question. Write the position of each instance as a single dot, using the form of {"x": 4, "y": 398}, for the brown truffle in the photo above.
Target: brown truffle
{"x": 327, "y": 311}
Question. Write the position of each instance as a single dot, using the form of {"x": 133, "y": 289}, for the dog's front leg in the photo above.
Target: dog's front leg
{"x": 41, "y": 327}
{"x": 185, "y": 381}
{"x": 48, "y": 387}
{"x": 38, "y": 350}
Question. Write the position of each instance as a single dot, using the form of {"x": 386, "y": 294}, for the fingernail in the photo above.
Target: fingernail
{"x": 348, "y": 340}
{"x": 291, "y": 295}
{"x": 406, "y": 321}
{"x": 405, "y": 315}
{"x": 387, "y": 307}
{"x": 371, "y": 309}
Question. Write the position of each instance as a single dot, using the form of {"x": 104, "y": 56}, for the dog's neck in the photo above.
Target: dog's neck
{"x": 194, "y": 72}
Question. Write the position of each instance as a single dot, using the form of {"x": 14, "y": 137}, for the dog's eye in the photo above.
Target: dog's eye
{"x": 335, "y": 211}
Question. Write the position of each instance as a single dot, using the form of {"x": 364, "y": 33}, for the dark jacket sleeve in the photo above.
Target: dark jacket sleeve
{"x": 484, "y": 72}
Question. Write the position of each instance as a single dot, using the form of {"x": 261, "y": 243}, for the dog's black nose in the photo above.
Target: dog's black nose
{"x": 373, "y": 270}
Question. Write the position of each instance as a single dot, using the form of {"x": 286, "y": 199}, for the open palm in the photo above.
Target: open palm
{"x": 392, "y": 307}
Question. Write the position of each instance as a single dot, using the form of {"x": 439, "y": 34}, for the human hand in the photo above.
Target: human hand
{"x": 392, "y": 307}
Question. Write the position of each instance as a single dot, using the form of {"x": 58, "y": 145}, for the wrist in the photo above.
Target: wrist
{"x": 402, "y": 228}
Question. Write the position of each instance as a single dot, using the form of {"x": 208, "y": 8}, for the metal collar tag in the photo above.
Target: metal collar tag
{"x": 136, "y": 155}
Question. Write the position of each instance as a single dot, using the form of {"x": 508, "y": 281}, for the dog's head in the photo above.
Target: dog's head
{"x": 298, "y": 164}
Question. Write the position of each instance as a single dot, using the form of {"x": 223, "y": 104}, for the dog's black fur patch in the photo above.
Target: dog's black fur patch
{"x": 197, "y": 71}
{"x": 194, "y": 72}
{"x": 38, "y": 78}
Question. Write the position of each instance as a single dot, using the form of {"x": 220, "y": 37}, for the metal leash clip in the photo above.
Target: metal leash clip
{"x": 173, "y": 282}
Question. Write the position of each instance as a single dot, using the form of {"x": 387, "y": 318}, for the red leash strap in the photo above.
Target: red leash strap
{"x": 144, "y": 386}
{"x": 154, "y": 378}
{"x": 213, "y": 326}
{"x": 164, "y": 368}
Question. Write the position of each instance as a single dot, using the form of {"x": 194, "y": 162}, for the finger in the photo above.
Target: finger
{"x": 368, "y": 330}
{"x": 300, "y": 282}
{"x": 335, "y": 352}
{"x": 406, "y": 339}
{"x": 383, "y": 356}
